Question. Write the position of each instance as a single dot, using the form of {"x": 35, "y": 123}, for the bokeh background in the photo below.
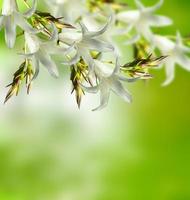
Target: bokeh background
{"x": 50, "y": 150}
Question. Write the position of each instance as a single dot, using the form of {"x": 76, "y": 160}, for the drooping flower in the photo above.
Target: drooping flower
{"x": 109, "y": 82}
{"x": 176, "y": 52}
{"x": 40, "y": 52}
{"x": 142, "y": 20}
{"x": 11, "y": 18}
{"x": 85, "y": 42}
{"x": 94, "y": 21}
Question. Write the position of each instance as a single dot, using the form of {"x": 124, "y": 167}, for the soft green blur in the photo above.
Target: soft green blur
{"x": 49, "y": 150}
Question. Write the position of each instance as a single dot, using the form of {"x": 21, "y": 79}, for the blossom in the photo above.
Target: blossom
{"x": 84, "y": 43}
{"x": 40, "y": 52}
{"x": 71, "y": 10}
{"x": 93, "y": 22}
{"x": 142, "y": 20}
{"x": 176, "y": 52}
{"x": 11, "y": 17}
{"x": 109, "y": 82}
{"x": 83, "y": 36}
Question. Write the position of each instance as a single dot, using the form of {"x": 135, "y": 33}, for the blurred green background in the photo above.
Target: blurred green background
{"x": 49, "y": 150}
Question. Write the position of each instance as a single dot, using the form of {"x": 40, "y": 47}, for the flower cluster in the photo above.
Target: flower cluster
{"x": 82, "y": 33}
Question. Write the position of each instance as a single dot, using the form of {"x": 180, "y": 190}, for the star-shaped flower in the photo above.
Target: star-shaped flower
{"x": 40, "y": 52}
{"x": 176, "y": 52}
{"x": 109, "y": 82}
{"x": 142, "y": 20}
{"x": 86, "y": 42}
{"x": 11, "y": 18}
{"x": 94, "y": 22}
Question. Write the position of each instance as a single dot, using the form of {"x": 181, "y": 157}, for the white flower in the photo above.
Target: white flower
{"x": 71, "y": 10}
{"x": 94, "y": 21}
{"x": 109, "y": 82}
{"x": 142, "y": 20}
{"x": 40, "y": 52}
{"x": 176, "y": 52}
{"x": 84, "y": 43}
{"x": 11, "y": 17}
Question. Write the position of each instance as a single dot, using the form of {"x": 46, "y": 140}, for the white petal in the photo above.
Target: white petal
{"x": 155, "y": 7}
{"x": 24, "y": 24}
{"x": 139, "y": 5}
{"x": 129, "y": 80}
{"x": 133, "y": 40}
{"x": 163, "y": 43}
{"x": 10, "y": 31}
{"x": 1, "y": 21}
{"x": 32, "y": 42}
{"x": 48, "y": 63}
{"x": 170, "y": 73}
{"x": 179, "y": 43}
{"x": 70, "y": 36}
{"x": 117, "y": 67}
{"x": 119, "y": 90}
{"x": 88, "y": 59}
{"x": 157, "y": 21}
{"x": 32, "y": 10}
{"x": 185, "y": 49}
{"x": 91, "y": 22}
{"x": 52, "y": 42}
{"x": 102, "y": 69}
{"x": 146, "y": 33}
{"x": 93, "y": 89}
{"x": 73, "y": 60}
{"x": 37, "y": 67}
{"x": 101, "y": 31}
{"x": 178, "y": 38}
{"x": 27, "y": 55}
{"x": 123, "y": 31}
{"x": 54, "y": 49}
{"x": 54, "y": 34}
{"x": 84, "y": 29}
{"x": 129, "y": 17}
{"x": 104, "y": 98}
{"x": 184, "y": 61}
{"x": 9, "y": 6}
{"x": 98, "y": 45}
